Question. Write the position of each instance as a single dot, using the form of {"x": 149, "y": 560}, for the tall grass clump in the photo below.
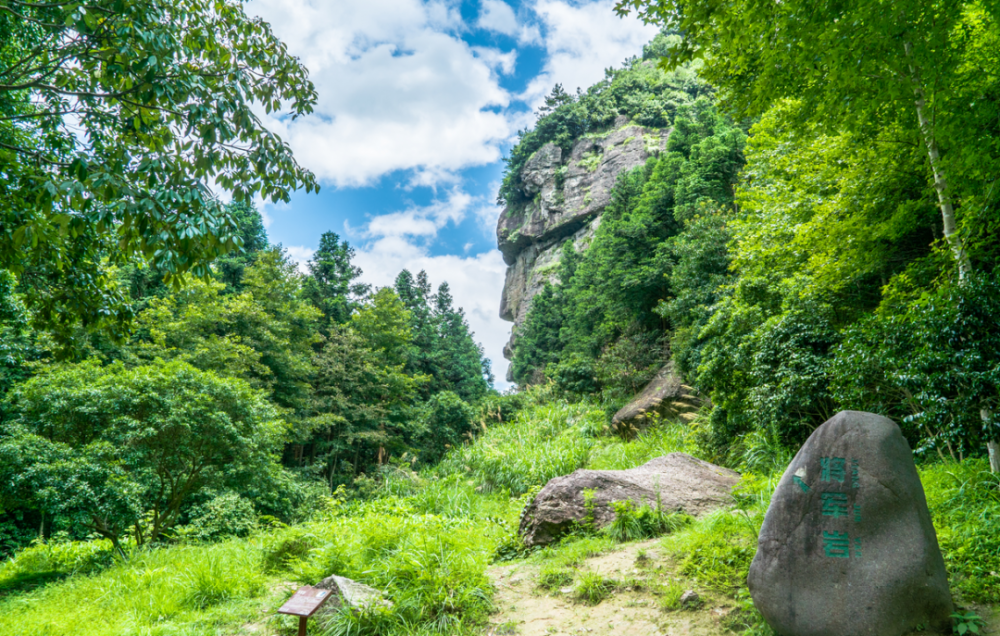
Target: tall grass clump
{"x": 964, "y": 500}
{"x": 432, "y": 567}
{"x": 632, "y": 522}
{"x": 653, "y": 442}
{"x": 542, "y": 442}
{"x": 177, "y": 590}
{"x": 717, "y": 549}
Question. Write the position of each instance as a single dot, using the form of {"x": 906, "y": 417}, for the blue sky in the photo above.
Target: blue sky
{"x": 418, "y": 102}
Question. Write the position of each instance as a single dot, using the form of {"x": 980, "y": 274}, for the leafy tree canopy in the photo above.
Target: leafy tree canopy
{"x": 115, "y": 117}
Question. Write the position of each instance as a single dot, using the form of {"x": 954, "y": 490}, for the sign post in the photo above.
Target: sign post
{"x": 304, "y": 604}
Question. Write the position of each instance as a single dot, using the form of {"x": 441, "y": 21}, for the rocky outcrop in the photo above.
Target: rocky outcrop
{"x": 567, "y": 192}
{"x": 351, "y": 593}
{"x": 847, "y": 547}
{"x": 665, "y": 396}
{"x": 675, "y": 482}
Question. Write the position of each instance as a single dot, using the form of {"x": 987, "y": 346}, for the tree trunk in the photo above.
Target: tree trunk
{"x": 940, "y": 183}
{"x": 992, "y": 444}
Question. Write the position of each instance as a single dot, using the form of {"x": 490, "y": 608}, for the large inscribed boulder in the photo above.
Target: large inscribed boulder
{"x": 847, "y": 547}
{"x": 675, "y": 482}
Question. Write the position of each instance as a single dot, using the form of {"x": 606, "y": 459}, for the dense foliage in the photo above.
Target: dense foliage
{"x": 300, "y": 382}
{"x": 804, "y": 264}
{"x": 115, "y": 118}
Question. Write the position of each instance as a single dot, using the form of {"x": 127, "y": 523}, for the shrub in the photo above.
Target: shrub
{"x": 553, "y": 576}
{"x": 592, "y": 588}
{"x": 225, "y": 515}
{"x": 445, "y": 421}
{"x": 632, "y": 522}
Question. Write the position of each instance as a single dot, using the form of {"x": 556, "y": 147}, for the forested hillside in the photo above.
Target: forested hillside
{"x": 256, "y": 391}
{"x": 788, "y": 253}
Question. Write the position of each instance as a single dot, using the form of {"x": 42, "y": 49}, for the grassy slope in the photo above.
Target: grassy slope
{"x": 427, "y": 540}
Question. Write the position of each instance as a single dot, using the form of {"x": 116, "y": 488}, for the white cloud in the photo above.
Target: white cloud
{"x": 398, "y": 89}
{"x": 496, "y": 15}
{"x": 582, "y": 40}
{"x": 301, "y": 255}
{"x": 422, "y": 221}
{"x": 501, "y": 62}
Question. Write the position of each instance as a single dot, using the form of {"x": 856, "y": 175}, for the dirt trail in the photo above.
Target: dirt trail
{"x": 526, "y": 610}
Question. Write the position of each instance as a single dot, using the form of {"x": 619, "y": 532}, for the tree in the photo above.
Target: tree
{"x": 363, "y": 406}
{"x": 924, "y": 67}
{"x": 114, "y": 118}
{"x": 124, "y": 449}
{"x": 446, "y": 420}
{"x": 264, "y": 335}
{"x": 253, "y": 239}
{"x": 331, "y": 285}
{"x": 459, "y": 362}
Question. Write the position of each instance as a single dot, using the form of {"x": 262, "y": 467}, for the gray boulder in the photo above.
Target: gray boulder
{"x": 677, "y": 482}
{"x": 666, "y": 395}
{"x": 847, "y": 547}
{"x": 350, "y": 593}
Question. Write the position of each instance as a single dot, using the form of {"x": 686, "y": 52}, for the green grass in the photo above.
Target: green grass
{"x": 668, "y": 595}
{"x": 183, "y": 590}
{"x": 592, "y": 588}
{"x": 427, "y": 540}
{"x": 964, "y": 499}
{"x": 541, "y": 443}
{"x": 553, "y": 577}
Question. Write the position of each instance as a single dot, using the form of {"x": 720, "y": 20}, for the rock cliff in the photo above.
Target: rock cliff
{"x": 567, "y": 192}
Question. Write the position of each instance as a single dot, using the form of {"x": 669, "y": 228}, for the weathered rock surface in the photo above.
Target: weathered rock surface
{"x": 677, "y": 482}
{"x": 847, "y": 547}
{"x": 351, "y": 593}
{"x": 568, "y": 191}
{"x": 666, "y": 395}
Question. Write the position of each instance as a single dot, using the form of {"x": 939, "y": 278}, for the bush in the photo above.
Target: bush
{"x": 575, "y": 375}
{"x": 931, "y": 365}
{"x": 964, "y": 499}
{"x": 500, "y": 408}
{"x": 225, "y": 515}
{"x": 445, "y": 422}
{"x": 632, "y": 522}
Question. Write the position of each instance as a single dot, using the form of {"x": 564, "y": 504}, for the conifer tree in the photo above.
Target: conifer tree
{"x": 331, "y": 285}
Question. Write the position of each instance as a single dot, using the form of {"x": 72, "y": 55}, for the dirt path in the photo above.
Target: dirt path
{"x": 631, "y": 610}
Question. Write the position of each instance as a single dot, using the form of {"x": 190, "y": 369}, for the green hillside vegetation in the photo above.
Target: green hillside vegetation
{"x": 191, "y": 426}
{"x": 791, "y": 264}
{"x": 427, "y": 538}
{"x": 255, "y": 392}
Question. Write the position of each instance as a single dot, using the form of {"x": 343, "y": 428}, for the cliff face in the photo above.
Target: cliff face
{"x": 568, "y": 192}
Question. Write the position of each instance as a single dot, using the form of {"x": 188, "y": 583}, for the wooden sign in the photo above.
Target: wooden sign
{"x": 305, "y": 601}
{"x": 304, "y": 604}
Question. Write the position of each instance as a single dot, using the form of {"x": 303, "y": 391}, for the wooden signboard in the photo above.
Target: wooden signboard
{"x": 304, "y": 604}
